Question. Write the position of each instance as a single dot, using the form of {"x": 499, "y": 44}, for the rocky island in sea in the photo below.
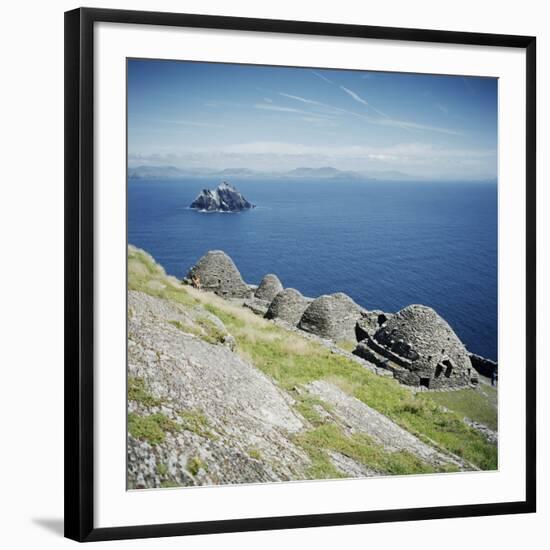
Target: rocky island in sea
{"x": 225, "y": 198}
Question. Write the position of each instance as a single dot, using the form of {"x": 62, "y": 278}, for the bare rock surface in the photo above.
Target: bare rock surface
{"x": 246, "y": 421}
{"x": 359, "y": 417}
{"x": 488, "y": 433}
{"x": 350, "y": 467}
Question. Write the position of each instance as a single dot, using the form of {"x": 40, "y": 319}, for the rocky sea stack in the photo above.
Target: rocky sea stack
{"x": 225, "y": 198}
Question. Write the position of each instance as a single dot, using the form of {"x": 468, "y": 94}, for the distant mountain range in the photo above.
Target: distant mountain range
{"x": 326, "y": 172}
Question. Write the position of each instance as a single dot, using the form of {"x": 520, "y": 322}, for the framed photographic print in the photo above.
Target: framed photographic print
{"x": 300, "y": 274}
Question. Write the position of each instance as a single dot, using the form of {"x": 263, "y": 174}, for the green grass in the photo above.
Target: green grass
{"x": 168, "y": 484}
{"x": 162, "y": 469}
{"x": 137, "y": 392}
{"x": 145, "y": 275}
{"x": 254, "y": 453}
{"x": 359, "y": 447}
{"x": 293, "y": 361}
{"x": 188, "y": 329}
{"x": 205, "y": 329}
{"x": 213, "y": 333}
{"x": 347, "y": 345}
{"x": 473, "y": 403}
{"x": 194, "y": 464}
{"x": 308, "y": 406}
{"x": 151, "y": 428}
{"x": 196, "y": 422}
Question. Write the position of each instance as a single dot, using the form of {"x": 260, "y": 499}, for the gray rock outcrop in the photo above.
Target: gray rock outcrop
{"x": 331, "y": 316}
{"x": 421, "y": 348}
{"x": 288, "y": 306}
{"x": 225, "y": 198}
{"x": 224, "y": 420}
{"x": 268, "y": 288}
{"x": 217, "y": 272}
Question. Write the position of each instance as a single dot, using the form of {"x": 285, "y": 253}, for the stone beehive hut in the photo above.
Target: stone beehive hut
{"x": 268, "y": 288}
{"x": 331, "y": 316}
{"x": 370, "y": 322}
{"x": 422, "y": 349}
{"x": 288, "y": 305}
{"x": 217, "y": 272}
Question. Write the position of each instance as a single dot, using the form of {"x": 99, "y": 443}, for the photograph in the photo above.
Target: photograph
{"x": 312, "y": 274}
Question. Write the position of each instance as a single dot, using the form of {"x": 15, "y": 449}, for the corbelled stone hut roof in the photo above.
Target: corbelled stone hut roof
{"x": 331, "y": 316}
{"x": 426, "y": 342}
{"x": 288, "y": 305}
{"x": 268, "y": 288}
{"x": 370, "y": 322}
{"x": 217, "y": 272}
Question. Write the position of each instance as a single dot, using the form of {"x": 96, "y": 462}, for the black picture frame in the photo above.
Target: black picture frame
{"x": 79, "y": 272}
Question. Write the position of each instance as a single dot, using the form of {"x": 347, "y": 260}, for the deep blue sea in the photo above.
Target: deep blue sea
{"x": 386, "y": 244}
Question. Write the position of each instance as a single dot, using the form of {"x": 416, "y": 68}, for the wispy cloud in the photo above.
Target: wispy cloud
{"x": 384, "y": 120}
{"x": 278, "y": 108}
{"x": 314, "y": 116}
{"x": 415, "y": 126}
{"x": 468, "y": 84}
{"x": 193, "y": 123}
{"x": 359, "y": 99}
{"x": 322, "y": 77}
{"x": 319, "y": 120}
{"x": 442, "y": 108}
{"x": 303, "y": 99}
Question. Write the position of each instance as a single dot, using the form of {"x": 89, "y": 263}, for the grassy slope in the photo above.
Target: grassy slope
{"x": 293, "y": 361}
{"x": 479, "y": 405}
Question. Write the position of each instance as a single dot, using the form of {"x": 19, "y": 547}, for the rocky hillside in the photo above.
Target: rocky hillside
{"x": 218, "y": 394}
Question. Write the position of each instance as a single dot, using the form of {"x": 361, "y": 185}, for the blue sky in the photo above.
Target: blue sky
{"x": 215, "y": 116}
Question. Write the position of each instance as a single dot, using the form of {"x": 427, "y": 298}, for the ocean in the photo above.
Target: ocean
{"x": 385, "y": 244}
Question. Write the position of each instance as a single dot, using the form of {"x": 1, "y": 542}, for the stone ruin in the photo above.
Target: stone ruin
{"x": 288, "y": 305}
{"x": 268, "y": 288}
{"x": 216, "y": 272}
{"x": 370, "y": 322}
{"x": 332, "y": 316}
{"x": 421, "y": 349}
{"x": 415, "y": 344}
